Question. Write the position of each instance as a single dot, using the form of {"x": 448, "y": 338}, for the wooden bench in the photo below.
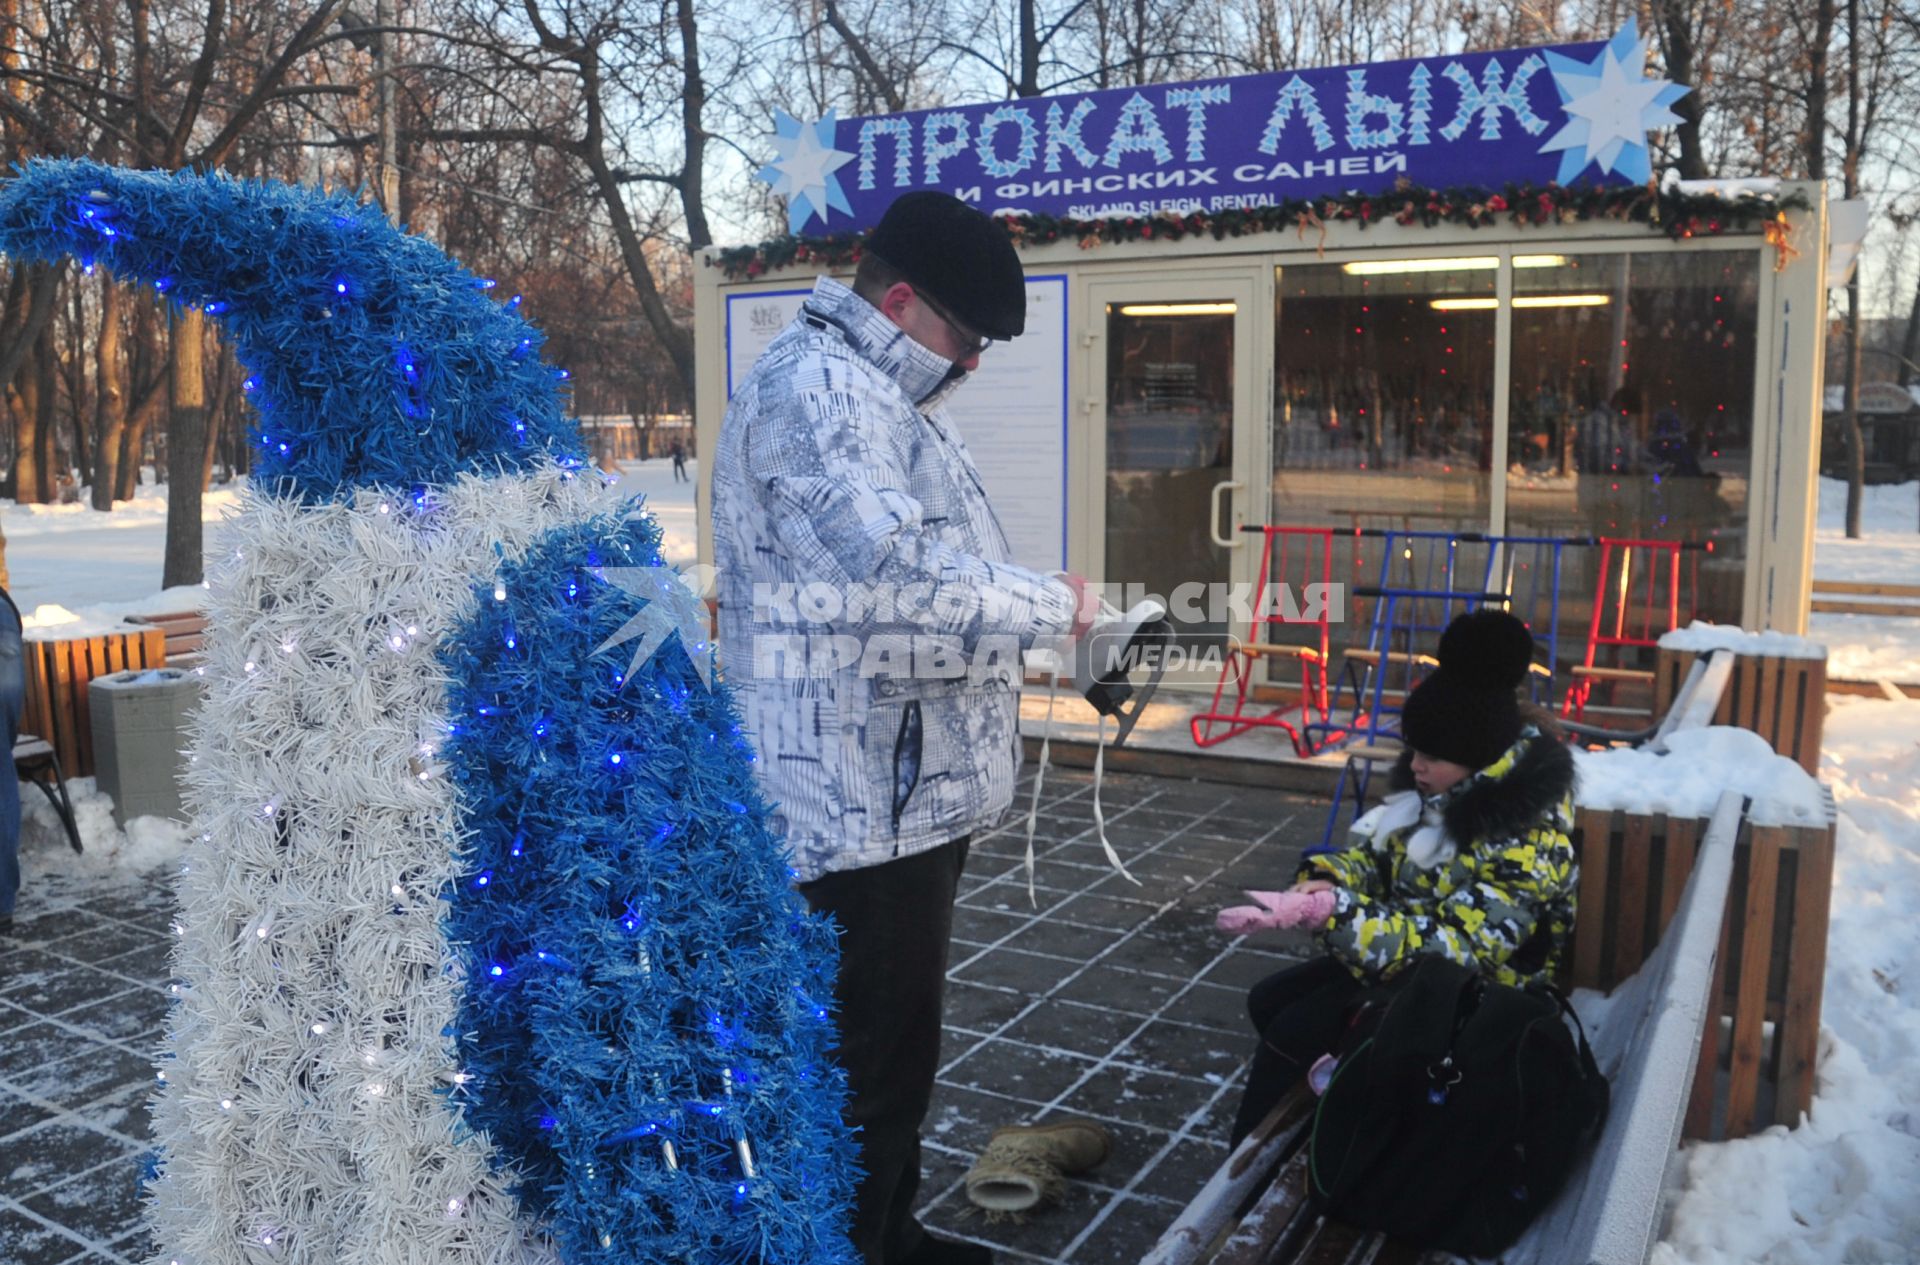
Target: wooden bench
{"x": 1844, "y": 597}
{"x": 186, "y": 633}
{"x": 1254, "y": 1209}
{"x": 58, "y": 670}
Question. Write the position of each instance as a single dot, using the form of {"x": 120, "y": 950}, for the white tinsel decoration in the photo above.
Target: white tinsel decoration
{"x": 303, "y": 1113}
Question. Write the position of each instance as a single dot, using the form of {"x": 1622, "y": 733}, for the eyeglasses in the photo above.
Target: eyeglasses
{"x": 971, "y": 343}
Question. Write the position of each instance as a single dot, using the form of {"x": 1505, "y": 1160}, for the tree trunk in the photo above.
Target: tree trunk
{"x": 186, "y": 451}
{"x": 26, "y": 438}
{"x": 1856, "y": 450}
{"x": 1680, "y": 69}
{"x": 110, "y": 400}
{"x": 216, "y": 415}
{"x": 1824, "y": 12}
{"x": 1029, "y": 85}
{"x": 1908, "y": 370}
{"x": 47, "y": 389}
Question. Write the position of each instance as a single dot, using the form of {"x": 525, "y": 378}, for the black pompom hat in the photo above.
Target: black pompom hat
{"x": 1467, "y": 711}
{"x": 958, "y": 255}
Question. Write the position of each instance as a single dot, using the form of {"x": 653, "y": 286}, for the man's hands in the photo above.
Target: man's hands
{"x": 1086, "y": 605}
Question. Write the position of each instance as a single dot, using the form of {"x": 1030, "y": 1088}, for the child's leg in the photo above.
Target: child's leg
{"x": 1300, "y": 1013}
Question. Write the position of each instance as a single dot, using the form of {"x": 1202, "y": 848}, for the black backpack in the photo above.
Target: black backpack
{"x": 1456, "y": 1110}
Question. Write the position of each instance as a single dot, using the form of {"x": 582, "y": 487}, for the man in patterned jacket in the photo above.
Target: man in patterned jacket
{"x": 872, "y": 624}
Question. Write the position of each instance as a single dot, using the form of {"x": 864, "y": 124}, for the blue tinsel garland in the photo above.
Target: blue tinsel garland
{"x": 373, "y": 358}
{"x": 648, "y": 989}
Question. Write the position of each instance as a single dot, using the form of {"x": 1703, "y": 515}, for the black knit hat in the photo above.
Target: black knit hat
{"x": 1467, "y": 710}
{"x": 959, "y": 256}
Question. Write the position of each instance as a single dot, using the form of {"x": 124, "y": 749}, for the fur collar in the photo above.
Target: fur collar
{"x": 1499, "y": 808}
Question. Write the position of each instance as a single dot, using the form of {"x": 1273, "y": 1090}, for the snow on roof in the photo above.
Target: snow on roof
{"x": 1698, "y": 765}
{"x": 1701, "y": 637}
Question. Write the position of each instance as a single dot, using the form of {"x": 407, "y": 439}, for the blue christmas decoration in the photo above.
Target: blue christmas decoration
{"x": 618, "y": 989}
{"x": 1297, "y": 95}
{"x": 375, "y": 359}
{"x": 648, "y": 1035}
{"x": 1194, "y": 101}
{"x": 1137, "y": 132}
{"x": 1611, "y": 105}
{"x": 997, "y": 118}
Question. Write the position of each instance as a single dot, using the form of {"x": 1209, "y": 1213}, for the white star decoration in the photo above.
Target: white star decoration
{"x": 1610, "y": 104}
{"x": 671, "y": 606}
{"x": 804, "y": 170}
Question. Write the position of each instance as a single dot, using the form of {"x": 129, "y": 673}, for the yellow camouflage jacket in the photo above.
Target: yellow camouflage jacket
{"x": 1497, "y": 892}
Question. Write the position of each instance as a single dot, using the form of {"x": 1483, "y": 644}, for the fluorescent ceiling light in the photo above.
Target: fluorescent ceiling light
{"x": 1178, "y": 309}
{"x": 1522, "y": 300}
{"x": 1387, "y": 267}
{"x": 1464, "y": 263}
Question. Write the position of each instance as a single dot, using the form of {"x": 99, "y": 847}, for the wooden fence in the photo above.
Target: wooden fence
{"x": 1756, "y": 1062}
{"x": 1782, "y": 700}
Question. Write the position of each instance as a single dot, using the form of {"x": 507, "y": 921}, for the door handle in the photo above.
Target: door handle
{"x": 1213, "y": 514}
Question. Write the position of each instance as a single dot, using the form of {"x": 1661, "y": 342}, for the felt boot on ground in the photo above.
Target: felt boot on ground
{"x": 1025, "y": 1166}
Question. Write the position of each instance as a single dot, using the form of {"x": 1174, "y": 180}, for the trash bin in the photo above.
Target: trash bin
{"x": 139, "y": 739}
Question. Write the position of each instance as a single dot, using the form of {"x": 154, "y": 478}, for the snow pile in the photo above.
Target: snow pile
{"x": 50, "y": 620}
{"x": 1845, "y": 1185}
{"x": 1702, "y": 637}
{"x": 1698, "y": 766}
{"x": 146, "y": 844}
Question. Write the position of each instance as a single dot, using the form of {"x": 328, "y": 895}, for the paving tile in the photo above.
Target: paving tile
{"x": 1032, "y": 974}
{"x": 985, "y": 926}
{"x": 1023, "y": 1072}
{"x": 1150, "y": 1099}
{"x": 1245, "y": 967}
{"x": 1094, "y": 1031}
{"x": 1060, "y": 938}
{"x": 101, "y": 1205}
{"x": 1182, "y": 1171}
{"x": 980, "y": 1008}
{"x": 52, "y": 1152}
{"x": 137, "y": 1016}
{"x": 1121, "y": 989}
{"x": 106, "y": 940}
{"x": 104, "y": 1070}
{"x": 1124, "y": 1235}
{"x": 25, "y": 1241}
{"x": 1115, "y": 910}
{"x": 40, "y": 1044}
{"x": 49, "y": 985}
{"x": 1209, "y": 1006}
{"x": 1184, "y": 1051}
{"x": 17, "y": 1114}
{"x": 127, "y": 1112}
{"x": 51, "y": 926}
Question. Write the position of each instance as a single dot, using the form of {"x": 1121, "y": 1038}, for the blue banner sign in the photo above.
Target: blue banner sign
{"x": 1572, "y": 112}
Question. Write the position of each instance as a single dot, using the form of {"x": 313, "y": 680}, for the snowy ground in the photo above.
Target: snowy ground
{"x": 1869, "y": 647}
{"x": 1842, "y": 1188}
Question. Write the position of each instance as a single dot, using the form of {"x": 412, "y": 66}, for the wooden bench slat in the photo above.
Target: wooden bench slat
{"x": 1872, "y": 588}
{"x": 1613, "y": 674}
{"x": 1750, "y": 1005}
{"x": 1630, "y": 915}
{"x": 1836, "y": 606}
{"x": 1806, "y": 970}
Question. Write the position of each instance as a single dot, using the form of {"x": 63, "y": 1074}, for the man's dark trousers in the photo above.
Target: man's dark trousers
{"x": 895, "y": 920}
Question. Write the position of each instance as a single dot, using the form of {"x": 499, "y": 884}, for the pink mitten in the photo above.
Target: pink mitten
{"x": 1274, "y": 911}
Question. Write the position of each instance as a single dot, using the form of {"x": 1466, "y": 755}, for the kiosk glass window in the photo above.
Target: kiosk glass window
{"x": 1383, "y": 393}
{"x": 1169, "y": 444}
{"x": 1631, "y": 411}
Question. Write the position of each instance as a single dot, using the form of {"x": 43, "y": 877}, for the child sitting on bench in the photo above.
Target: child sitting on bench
{"x": 1470, "y": 857}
